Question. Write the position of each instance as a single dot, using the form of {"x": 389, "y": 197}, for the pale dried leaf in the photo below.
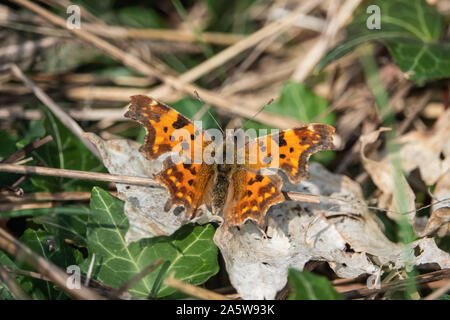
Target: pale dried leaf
{"x": 439, "y": 221}
{"x": 381, "y": 173}
{"x": 429, "y": 151}
{"x": 339, "y": 230}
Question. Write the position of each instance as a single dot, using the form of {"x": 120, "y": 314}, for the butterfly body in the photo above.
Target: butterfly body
{"x": 236, "y": 186}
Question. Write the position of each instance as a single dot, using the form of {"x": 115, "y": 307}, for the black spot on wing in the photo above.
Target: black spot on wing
{"x": 181, "y": 122}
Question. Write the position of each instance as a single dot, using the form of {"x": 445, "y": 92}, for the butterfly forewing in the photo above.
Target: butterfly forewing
{"x": 289, "y": 150}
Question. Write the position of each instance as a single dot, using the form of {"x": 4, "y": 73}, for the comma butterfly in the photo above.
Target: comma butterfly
{"x": 239, "y": 190}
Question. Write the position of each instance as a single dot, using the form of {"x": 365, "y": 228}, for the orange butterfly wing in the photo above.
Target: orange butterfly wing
{"x": 253, "y": 193}
{"x": 188, "y": 182}
{"x": 250, "y": 195}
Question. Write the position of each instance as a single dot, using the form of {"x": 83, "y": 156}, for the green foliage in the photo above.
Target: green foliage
{"x": 66, "y": 223}
{"x": 5, "y": 294}
{"x": 140, "y": 17}
{"x": 230, "y": 16}
{"x": 54, "y": 249}
{"x": 66, "y": 151}
{"x": 189, "y": 108}
{"x": 189, "y": 253}
{"x": 411, "y": 30}
{"x": 308, "y": 286}
{"x": 299, "y": 102}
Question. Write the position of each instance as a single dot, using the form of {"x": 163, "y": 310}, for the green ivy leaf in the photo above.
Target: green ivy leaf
{"x": 190, "y": 253}
{"x": 411, "y": 30}
{"x": 66, "y": 151}
{"x": 308, "y": 286}
{"x": 299, "y": 102}
{"x": 140, "y": 17}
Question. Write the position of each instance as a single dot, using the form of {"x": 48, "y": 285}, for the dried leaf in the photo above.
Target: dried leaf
{"x": 428, "y": 150}
{"x": 439, "y": 221}
{"x": 340, "y": 230}
{"x": 381, "y": 173}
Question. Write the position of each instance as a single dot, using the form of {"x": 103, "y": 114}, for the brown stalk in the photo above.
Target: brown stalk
{"x": 140, "y": 181}
{"x": 23, "y": 206}
{"x": 49, "y": 196}
{"x": 334, "y": 24}
{"x": 21, "y": 153}
{"x": 57, "y": 110}
{"x": 65, "y": 173}
{"x": 134, "y": 280}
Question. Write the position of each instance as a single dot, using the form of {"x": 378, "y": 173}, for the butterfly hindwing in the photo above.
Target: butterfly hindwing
{"x": 188, "y": 184}
{"x": 250, "y": 195}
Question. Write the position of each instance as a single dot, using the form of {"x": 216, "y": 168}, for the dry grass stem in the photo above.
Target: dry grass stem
{"x": 57, "y": 111}
{"x": 21, "y": 153}
{"x": 53, "y": 172}
{"x": 319, "y": 50}
{"x": 141, "y": 181}
{"x": 193, "y": 290}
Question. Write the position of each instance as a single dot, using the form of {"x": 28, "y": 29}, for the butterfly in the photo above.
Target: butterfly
{"x": 238, "y": 190}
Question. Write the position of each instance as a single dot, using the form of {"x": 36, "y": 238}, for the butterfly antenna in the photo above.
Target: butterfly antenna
{"x": 209, "y": 112}
{"x": 215, "y": 120}
{"x": 257, "y": 112}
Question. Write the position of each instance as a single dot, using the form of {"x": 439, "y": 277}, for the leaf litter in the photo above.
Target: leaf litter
{"x": 340, "y": 230}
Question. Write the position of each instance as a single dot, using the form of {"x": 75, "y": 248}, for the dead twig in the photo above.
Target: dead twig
{"x": 105, "y": 289}
{"x": 318, "y": 51}
{"x": 439, "y": 292}
{"x": 57, "y": 111}
{"x": 140, "y": 181}
{"x": 24, "y": 206}
{"x": 20, "y": 154}
{"x": 241, "y": 109}
{"x": 77, "y": 174}
{"x": 225, "y": 55}
{"x": 48, "y": 196}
